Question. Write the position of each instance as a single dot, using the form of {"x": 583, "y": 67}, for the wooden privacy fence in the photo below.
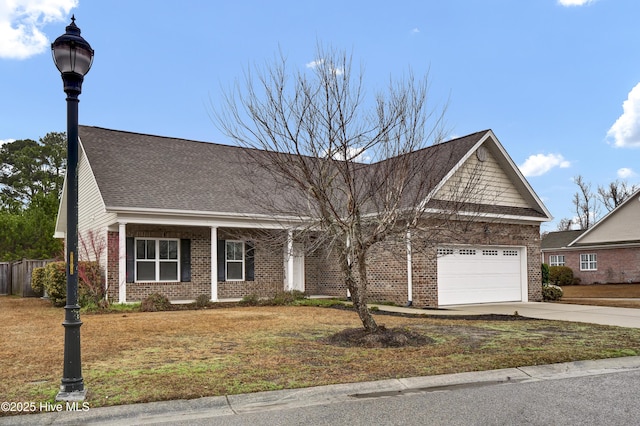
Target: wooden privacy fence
{"x": 5, "y": 278}
{"x": 15, "y": 277}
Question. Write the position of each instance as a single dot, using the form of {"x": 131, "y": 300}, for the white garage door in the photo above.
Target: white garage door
{"x": 480, "y": 275}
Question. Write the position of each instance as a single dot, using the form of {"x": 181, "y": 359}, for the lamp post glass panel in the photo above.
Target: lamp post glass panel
{"x": 73, "y": 57}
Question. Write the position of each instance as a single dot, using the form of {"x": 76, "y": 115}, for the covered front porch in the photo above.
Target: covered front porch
{"x": 225, "y": 263}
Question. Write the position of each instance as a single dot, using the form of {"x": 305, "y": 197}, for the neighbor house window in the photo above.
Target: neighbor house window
{"x": 588, "y": 262}
{"x": 156, "y": 259}
{"x": 234, "y": 260}
{"x": 556, "y": 260}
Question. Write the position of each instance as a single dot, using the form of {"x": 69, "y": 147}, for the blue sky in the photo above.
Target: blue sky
{"x": 558, "y": 81}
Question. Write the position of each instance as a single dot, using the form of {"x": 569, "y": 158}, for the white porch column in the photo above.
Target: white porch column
{"x": 214, "y": 264}
{"x": 288, "y": 262}
{"x": 409, "y": 270}
{"x": 122, "y": 262}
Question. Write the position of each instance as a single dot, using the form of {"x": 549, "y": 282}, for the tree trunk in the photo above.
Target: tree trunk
{"x": 358, "y": 289}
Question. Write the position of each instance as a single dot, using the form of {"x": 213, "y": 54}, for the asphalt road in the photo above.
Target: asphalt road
{"x": 609, "y": 399}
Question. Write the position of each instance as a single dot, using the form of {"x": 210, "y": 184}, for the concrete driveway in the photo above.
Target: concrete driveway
{"x": 623, "y": 317}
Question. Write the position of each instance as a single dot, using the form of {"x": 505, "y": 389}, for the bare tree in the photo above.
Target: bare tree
{"x": 93, "y": 248}
{"x": 565, "y": 224}
{"x": 343, "y": 164}
{"x": 615, "y": 194}
{"x": 585, "y": 204}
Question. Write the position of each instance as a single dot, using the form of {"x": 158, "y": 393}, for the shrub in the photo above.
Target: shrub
{"x": 551, "y": 292}
{"x": 250, "y": 300}
{"x": 202, "y": 301}
{"x": 322, "y": 303}
{"x": 55, "y": 281}
{"x": 155, "y": 302}
{"x": 286, "y": 297}
{"x": 37, "y": 280}
{"x": 560, "y": 275}
{"x": 545, "y": 273}
{"x": 90, "y": 284}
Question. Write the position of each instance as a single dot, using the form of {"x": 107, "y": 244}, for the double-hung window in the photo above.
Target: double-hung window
{"x": 556, "y": 260}
{"x": 234, "y": 260}
{"x": 157, "y": 259}
{"x": 588, "y": 262}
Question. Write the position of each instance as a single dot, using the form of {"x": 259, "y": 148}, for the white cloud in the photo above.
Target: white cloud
{"x": 625, "y": 173}
{"x": 318, "y": 62}
{"x": 3, "y": 141}
{"x": 314, "y": 64}
{"x": 21, "y": 23}
{"x": 568, "y": 3}
{"x": 625, "y": 132}
{"x": 353, "y": 154}
{"x": 539, "y": 164}
{"x": 415, "y": 31}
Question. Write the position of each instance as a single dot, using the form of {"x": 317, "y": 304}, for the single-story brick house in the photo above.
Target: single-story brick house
{"x": 176, "y": 220}
{"x": 608, "y": 252}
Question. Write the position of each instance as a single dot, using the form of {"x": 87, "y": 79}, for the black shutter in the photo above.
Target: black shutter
{"x": 221, "y": 260}
{"x": 130, "y": 257}
{"x": 249, "y": 250}
{"x": 185, "y": 260}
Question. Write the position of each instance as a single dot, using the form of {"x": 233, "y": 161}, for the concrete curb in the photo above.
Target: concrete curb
{"x": 203, "y": 408}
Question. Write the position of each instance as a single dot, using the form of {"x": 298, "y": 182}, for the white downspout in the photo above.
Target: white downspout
{"x": 288, "y": 258}
{"x": 122, "y": 262}
{"x": 348, "y": 261}
{"x": 409, "y": 271}
{"x": 214, "y": 264}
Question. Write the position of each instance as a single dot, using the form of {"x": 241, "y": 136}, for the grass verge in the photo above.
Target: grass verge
{"x": 132, "y": 357}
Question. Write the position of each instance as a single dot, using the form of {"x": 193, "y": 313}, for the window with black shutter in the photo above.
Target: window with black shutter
{"x": 235, "y": 260}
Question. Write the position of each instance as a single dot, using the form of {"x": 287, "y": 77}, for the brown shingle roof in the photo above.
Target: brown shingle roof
{"x": 142, "y": 171}
{"x": 136, "y": 170}
{"x": 559, "y": 239}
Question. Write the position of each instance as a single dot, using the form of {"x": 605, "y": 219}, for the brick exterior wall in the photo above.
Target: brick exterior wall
{"x": 387, "y": 264}
{"x": 615, "y": 265}
{"x": 323, "y": 275}
{"x": 387, "y": 261}
{"x": 387, "y": 271}
{"x": 113, "y": 267}
{"x": 269, "y": 270}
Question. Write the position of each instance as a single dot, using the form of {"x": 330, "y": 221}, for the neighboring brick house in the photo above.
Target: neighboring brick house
{"x": 608, "y": 252}
{"x": 177, "y": 219}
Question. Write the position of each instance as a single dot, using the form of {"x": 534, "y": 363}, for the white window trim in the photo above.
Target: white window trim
{"x": 226, "y": 261}
{"x": 592, "y": 259}
{"x": 557, "y": 261}
{"x": 157, "y": 260}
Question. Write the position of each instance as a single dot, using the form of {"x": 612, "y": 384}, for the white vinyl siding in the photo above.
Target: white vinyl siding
{"x": 622, "y": 225}
{"x": 91, "y": 213}
{"x": 493, "y": 187}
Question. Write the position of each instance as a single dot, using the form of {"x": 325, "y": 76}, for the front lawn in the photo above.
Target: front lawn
{"x": 601, "y": 295}
{"x": 131, "y": 357}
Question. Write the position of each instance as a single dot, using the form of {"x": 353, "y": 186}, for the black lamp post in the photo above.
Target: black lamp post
{"x": 73, "y": 57}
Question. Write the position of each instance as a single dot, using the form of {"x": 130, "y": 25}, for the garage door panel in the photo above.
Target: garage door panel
{"x": 479, "y": 275}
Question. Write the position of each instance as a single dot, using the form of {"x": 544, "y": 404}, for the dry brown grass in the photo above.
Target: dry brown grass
{"x": 138, "y": 357}
{"x": 601, "y": 295}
